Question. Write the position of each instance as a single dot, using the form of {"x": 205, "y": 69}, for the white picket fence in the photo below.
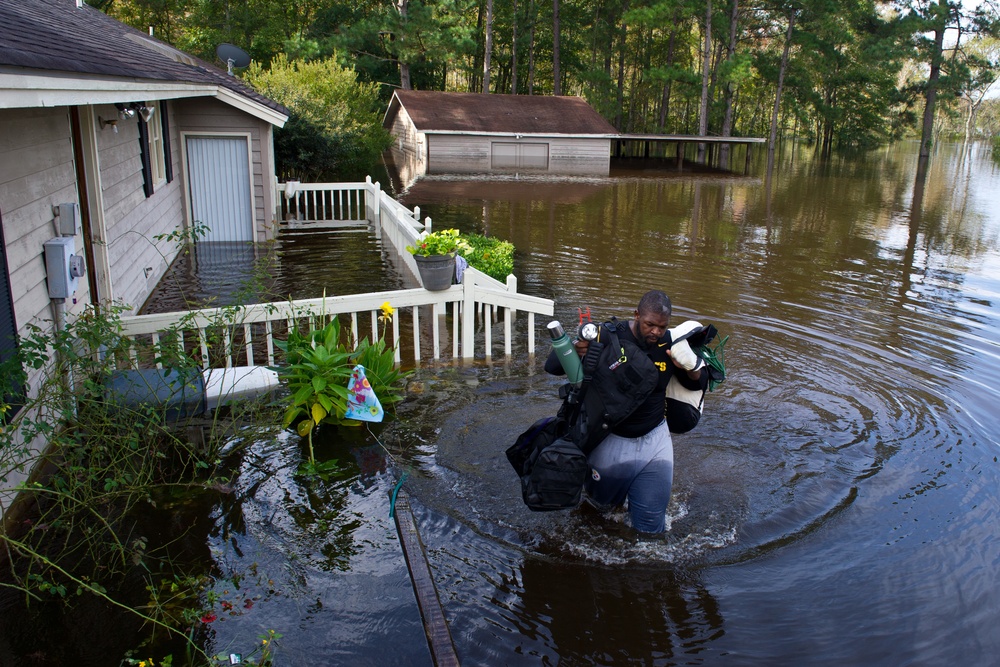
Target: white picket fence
{"x": 244, "y": 335}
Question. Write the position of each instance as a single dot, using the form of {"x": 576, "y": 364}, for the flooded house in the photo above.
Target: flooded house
{"x": 109, "y": 139}
{"x": 464, "y": 133}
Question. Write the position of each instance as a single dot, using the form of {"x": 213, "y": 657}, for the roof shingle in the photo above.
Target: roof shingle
{"x": 56, "y": 35}
{"x": 526, "y": 114}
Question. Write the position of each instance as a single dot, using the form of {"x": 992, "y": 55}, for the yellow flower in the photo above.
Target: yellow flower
{"x": 387, "y": 311}
{"x": 263, "y": 642}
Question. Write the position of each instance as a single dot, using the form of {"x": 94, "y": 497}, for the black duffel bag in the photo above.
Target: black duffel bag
{"x": 550, "y": 458}
{"x": 552, "y": 469}
{"x": 556, "y": 480}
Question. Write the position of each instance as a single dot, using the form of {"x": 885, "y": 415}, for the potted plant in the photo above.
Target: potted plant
{"x": 435, "y": 256}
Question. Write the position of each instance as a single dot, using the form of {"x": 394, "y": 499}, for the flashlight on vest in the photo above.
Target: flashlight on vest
{"x": 588, "y": 331}
{"x": 566, "y": 352}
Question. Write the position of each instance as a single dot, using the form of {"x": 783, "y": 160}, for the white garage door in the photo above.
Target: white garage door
{"x": 509, "y": 155}
{"x": 221, "y": 197}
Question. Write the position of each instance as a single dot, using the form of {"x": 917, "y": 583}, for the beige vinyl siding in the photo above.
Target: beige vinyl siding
{"x": 408, "y": 149}
{"x": 448, "y": 153}
{"x": 206, "y": 116}
{"x": 36, "y": 172}
{"x": 133, "y": 220}
{"x": 407, "y": 139}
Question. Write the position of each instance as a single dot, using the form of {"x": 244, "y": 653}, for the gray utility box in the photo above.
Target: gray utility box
{"x": 63, "y": 267}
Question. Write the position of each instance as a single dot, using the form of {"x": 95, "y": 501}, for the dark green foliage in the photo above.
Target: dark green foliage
{"x": 490, "y": 255}
{"x": 334, "y": 131}
{"x": 637, "y": 62}
{"x": 99, "y": 465}
{"x": 304, "y": 150}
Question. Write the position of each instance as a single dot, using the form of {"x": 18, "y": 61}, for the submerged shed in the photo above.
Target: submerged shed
{"x": 439, "y": 132}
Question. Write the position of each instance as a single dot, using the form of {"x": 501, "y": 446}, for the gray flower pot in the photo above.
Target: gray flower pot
{"x": 436, "y": 271}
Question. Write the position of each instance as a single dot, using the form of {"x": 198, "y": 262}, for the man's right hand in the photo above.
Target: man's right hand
{"x": 682, "y": 355}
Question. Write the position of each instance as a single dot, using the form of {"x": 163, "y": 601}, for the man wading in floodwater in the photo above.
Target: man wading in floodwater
{"x": 635, "y": 462}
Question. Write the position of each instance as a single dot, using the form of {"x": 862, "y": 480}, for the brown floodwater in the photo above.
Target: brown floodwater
{"x": 837, "y": 504}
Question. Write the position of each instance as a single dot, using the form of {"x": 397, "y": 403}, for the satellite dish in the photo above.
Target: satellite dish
{"x": 233, "y": 56}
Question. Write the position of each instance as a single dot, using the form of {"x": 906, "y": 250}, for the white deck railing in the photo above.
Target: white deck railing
{"x": 320, "y": 205}
{"x": 244, "y": 335}
{"x": 323, "y": 202}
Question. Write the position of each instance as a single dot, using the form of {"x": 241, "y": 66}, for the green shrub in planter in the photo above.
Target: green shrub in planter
{"x": 490, "y": 255}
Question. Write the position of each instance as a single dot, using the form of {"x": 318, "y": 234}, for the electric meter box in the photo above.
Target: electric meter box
{"x": 63, "y": 267}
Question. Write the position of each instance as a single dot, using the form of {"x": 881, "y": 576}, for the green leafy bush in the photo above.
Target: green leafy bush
{"x": 335, "y": 129}
{"x": 318, "y": 367}
{"x": 490, "y": 255}
{"x": 100, "y": 464}
{"x": 995, "y": 152}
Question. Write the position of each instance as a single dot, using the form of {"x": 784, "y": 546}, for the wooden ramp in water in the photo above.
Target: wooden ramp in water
{"x": 431, "y": 612}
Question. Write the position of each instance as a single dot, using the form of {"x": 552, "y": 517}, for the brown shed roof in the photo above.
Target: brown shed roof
{"x": 433, "y": 111}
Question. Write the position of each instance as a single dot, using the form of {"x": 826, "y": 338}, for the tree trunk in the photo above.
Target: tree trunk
{"x": 476, "y": 73}
{"x": 487, "y": 55}
{"x": 556, "y": 84}
{"x": 927, "y": 129}
{"x": 404, "y": 67}
{"x": 532, "y": 18}
{"x": 620, "y": 101}
{"x": 727, "y": 119}
{"x": 513, "y": 53}
{"x": 665, "y": 101}
{"x": 705, "y": 71}
{"x": 595, "y": 49}
{"x": 773, "y": 136}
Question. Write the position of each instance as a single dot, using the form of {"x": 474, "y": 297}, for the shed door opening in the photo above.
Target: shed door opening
{"x": 507, "y": 155}
{"x": 221, "y": 198}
